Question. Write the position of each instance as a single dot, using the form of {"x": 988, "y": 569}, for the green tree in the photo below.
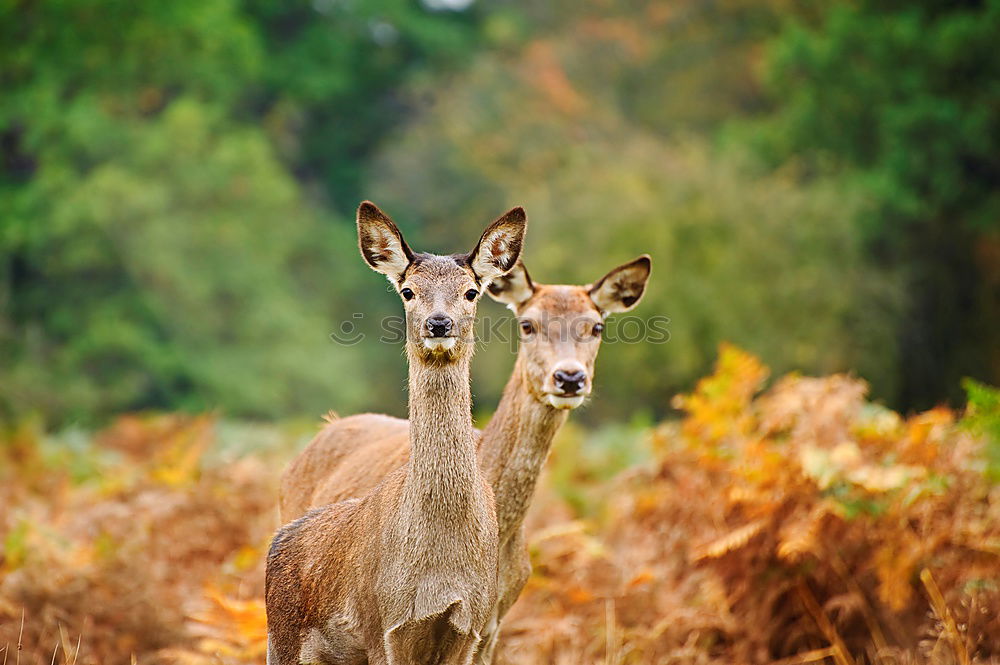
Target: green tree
{"x": 759, "y": 259}
{"x": 153, "y": 250}
{"x": 332, "y": 73}
{"x": 901, "y": 99}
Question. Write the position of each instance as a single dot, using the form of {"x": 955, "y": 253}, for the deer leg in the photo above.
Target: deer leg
{"x": 513, "y": 577}
{"x": 485, "y": 653}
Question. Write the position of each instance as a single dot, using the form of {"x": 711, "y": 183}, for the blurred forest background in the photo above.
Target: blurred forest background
{"x": 818, "y": 184}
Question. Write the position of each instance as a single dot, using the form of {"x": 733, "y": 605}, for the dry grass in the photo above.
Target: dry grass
{"x": 801, "y": 525}
{"x": 793, "y": 526}
{"x": 113, "y": 545}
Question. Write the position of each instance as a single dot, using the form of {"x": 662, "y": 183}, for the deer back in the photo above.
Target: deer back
{"x": 346, "y": 459}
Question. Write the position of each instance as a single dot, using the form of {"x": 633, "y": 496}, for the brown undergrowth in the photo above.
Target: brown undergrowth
{"x": 801, "y": 524}
{"x": 111, "y": 544}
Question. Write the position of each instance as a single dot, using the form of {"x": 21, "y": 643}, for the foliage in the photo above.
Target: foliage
{"x": 154, "y": 250}
{"x": 178, "y": 177}
{"x": 106, "y": 542}
{"x": 915, "y": 71}
{"x": 778, "y": 266}
{"x": 793, "y": 523}
{"x": 983, "y": 418}
{"x": 900, "y": 100}
{"x": 330, "y": 72}
{"x": 584, "y": 461}
{"x": 157, "y": 316}
{"x": 816, "y": 182}
{"x": 802, "y": 522}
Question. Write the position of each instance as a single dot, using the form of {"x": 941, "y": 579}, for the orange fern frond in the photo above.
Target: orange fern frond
{"x": 733, "y": 540}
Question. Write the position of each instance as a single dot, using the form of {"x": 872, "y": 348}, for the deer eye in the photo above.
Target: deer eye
{"x": 407, "y": 294}
{"x": 527, "y": 327}
{"x": 598, "y": 329}
{"x": 471, "y": 294}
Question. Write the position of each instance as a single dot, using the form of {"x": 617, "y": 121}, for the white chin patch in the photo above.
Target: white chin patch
{"x": 439, "y": 344}
{"x": 560, "y": 402}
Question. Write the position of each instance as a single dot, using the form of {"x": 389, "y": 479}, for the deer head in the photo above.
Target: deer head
{"x": 561, "y": 326}
{"x": 439, "y": 293}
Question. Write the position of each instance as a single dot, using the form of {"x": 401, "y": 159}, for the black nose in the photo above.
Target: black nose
{"x": 439, "y": 325}
{"x": 569, "y": 383}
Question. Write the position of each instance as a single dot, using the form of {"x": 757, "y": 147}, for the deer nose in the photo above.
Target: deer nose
{"x": 438, "y": 325}
{"x": 570, "y": 383}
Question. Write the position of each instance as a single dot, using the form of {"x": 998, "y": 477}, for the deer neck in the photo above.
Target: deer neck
{"x": 514, "y": 447}
{"x": 443, "y": 474}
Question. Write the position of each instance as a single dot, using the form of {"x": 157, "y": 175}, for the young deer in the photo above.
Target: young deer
{"x": 560, "y": 336}
{"x": 407, "y": 573}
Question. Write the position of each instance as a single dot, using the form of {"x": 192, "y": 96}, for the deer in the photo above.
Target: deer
{"x": 560, "y": 328}
{"x": 405, "y": 573}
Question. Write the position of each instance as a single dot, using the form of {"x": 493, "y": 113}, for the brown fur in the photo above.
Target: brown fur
{"x": 407, "y": 572}
{"x": 350, "y": 456}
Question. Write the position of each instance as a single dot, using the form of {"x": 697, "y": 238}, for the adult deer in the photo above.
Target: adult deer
{"x": 560, "y": 328}
{"x": 407, "y": 573}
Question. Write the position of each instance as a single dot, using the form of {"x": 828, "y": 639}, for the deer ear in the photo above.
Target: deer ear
{"x": 381, "y": 242}
{"x": 622, "y": 288}
{"x": 500, "y": 246}
{"x": 513, "y": 289}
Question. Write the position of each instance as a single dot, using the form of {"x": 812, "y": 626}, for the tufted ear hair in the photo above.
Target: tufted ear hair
{"x": 513, "y": 289}
{"x": 381, "y": 242}
{"x": 622, "y": 288}
{"x": 500, "y": 246}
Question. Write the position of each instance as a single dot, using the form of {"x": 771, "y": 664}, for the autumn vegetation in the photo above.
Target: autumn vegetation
{"x": 177, "y": 229}
{"x": 818, "y": 184}
{"x": 788, "y": 520}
